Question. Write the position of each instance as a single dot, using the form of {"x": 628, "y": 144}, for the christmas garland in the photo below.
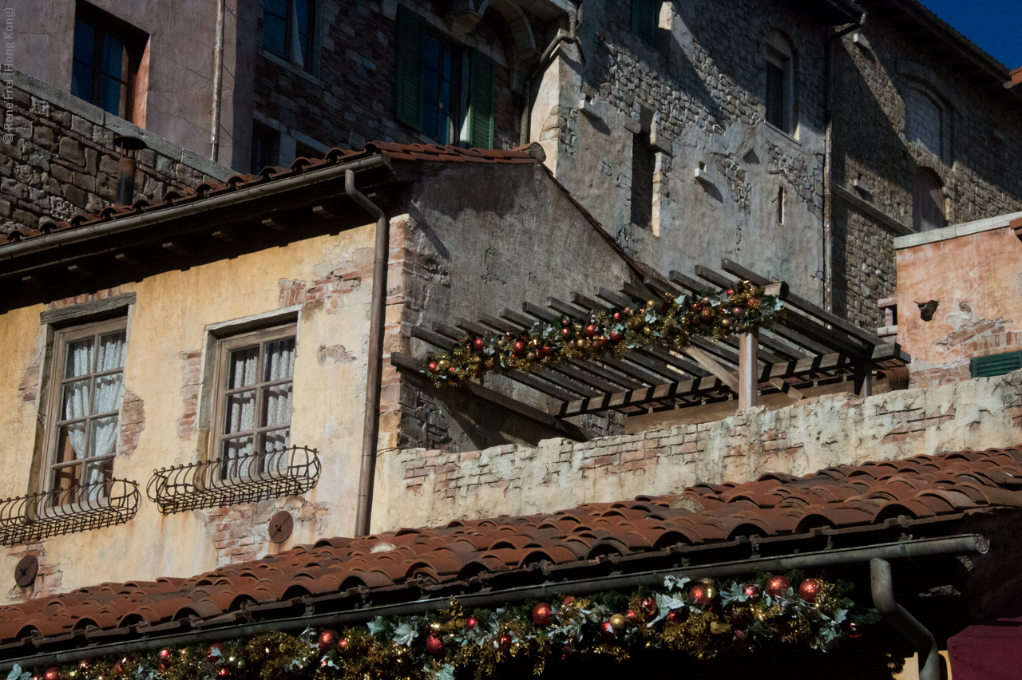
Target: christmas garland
{"x": 667, "y": 323}
{"x": 705, "y": 620}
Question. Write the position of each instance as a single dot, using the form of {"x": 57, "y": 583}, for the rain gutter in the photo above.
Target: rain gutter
{"x": 927, "y": 547}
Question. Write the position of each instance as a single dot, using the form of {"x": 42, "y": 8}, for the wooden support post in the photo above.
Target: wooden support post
{"x": 748, "y": 370}
{"x": 863, "y": 380}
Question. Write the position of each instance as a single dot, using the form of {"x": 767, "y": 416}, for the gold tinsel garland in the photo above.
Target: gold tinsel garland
{"x": 669, "y": 323}
{"x": 703, "y": 621}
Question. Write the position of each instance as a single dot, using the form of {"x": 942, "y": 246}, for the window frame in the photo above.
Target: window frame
{"x": 456, "y": 114}
{"x": 104, "y": 26}
{"x": 222, "y": 350}
{"x": 53, "y": 420}
{"x": 779, "y": 54}
{"x": 308, "y": 59}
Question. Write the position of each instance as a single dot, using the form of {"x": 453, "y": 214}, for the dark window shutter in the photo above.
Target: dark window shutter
{"x": 644, "y": 19}
{"x": 998, "y": 364}
{"x": 409, "y": 67}
{"x": 480, "y": 106}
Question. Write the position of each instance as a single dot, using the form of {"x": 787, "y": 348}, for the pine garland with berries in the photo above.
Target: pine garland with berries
{"x": 669, "y": 323}
{"x": 705, "y": 620}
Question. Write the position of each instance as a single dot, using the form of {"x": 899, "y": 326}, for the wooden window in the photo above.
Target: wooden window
{"x": 289, "y": 30}
{"x": 255, "y": 374}
{"x": 106, "y": 57}
{"x": 645, "y": 19}
{"x": 87, "y": 379}
{"x": 780, "y": 93}
{"x": 643, "y": 169}
{"x": 998, "y": 364}
{"x": 431, "y": 90}
{"x": 927, "y": 202}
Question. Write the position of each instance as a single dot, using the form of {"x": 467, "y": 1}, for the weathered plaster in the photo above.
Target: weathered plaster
{"x": 419, "y": 487}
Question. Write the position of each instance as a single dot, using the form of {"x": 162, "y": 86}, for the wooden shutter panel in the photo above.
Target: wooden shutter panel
{"x": 643, "y": 19}
{"x": 409, "y": 67}
{"x": 480, "y": 131}
{"x": 998, "y": 364}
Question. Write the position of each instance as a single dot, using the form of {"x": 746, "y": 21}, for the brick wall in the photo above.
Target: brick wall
{"x": 60, "y": 159}
{"x": 423, "y": 486}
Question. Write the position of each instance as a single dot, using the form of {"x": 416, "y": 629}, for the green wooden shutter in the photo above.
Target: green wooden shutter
{"x": 480, "y": 104}
{"x": 409, "y": 67}
{"x": 644, "y": 19}
{"x": 998, "y": 364}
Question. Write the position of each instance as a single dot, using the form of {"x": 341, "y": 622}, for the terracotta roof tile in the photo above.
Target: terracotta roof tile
{"x": 773, "y": 507}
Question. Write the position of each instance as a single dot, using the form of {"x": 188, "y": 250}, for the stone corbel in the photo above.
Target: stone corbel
{"x": 463, "y": 18}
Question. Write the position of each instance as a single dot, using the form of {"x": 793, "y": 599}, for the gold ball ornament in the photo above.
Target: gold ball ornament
{"x": 618, "y": 622}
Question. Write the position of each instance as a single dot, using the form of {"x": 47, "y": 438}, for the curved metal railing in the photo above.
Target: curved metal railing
{"x": 66, "y": 511}
{"x": 236, "y": 479}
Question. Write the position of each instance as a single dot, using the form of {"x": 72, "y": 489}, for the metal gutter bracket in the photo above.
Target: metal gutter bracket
{"x": 931, "y": 665}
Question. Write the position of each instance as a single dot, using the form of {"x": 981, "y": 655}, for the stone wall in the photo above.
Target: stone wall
{"x": 417, "y": 487}
{"x": 349, "y": 98}
{"x": 60, "y": 159}
{"x": 901, "y": 105}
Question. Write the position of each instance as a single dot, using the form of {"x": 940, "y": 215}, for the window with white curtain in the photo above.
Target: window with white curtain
{"x": 255, "y": 375}
{"x": 88, "y": 382}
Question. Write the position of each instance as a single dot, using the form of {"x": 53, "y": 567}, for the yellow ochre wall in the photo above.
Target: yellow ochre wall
{"x": 167, "y": 322}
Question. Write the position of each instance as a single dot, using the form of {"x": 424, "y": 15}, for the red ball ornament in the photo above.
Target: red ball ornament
{"x": 164, "y": 654}
{"x": 590, "y": 330}
{"x": 809, "y": 590}
{"x": 617, "y": 316}
{"x": 752, "y": 592}
{"x": 705, "y": 301}
{"x": 565, "y": 321}
{"x": 649, "y": 606}
{"x": 664, "y": 307}
{"x": 433, "y": 367}
{"x": 547, "y": 350}
{"x": 737, "y": 311}
{"x": 753, "y": 303}
{"x": 616, "y": 337}
{"x": 706, "y": 314}
{"x": 477, "y": 344}
{"x": 434, "y": 645}
{"x": 542, "y": 614}
{"x": 677, "y": 616}
{"x": 853, "y": 630}
{"x": 607, "y": 631}
{"x": 777, "y": 586}
{"x": 730, "y": 292}
{"x": 52, "y": 673}
{"x": 740, "y": 635}
{"x": 328, "y": 640}
{"x": 699, "y": 595}
{"x": 215, "y": 652}
{"x": 518, "y": 347}
{"x": 224, "y": 673}
{"x": 565, "y": 332}
{"x": 569, "y": 600}
{"x": 342, "y": 644}
{"x": 632, "y": 617}
{"x": 471, "y": 623}
{"x": 505, "y": 641}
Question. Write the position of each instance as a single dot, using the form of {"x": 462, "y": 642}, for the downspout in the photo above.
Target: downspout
{"x": 931, "y": 665}
{"x": 374, "y": 358}
{"x": 570, "y": 36}
{"x": 218, "y": 68}
{"x": 828, "y": 161}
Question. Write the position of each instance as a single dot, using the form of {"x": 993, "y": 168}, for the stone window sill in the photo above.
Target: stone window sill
{"x": 291, "y": 67}
{"x": 791, "y": 139}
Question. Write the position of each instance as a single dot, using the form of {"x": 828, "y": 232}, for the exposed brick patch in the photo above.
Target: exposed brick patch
{"x": 86, "y": 297}
{"x": 28, "y": 390}
{"x": 292, "y": 292}
{"x": 239, "y": 532}
{"x": 47, "y": 581}
{"x": 192, "y": 374}
{"x": 132, "y": 423}
{"x": 335, "y": 353}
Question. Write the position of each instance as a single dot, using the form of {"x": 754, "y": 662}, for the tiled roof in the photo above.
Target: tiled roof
{"x": 402, "y": 152}
{"x": 861, "y": 502}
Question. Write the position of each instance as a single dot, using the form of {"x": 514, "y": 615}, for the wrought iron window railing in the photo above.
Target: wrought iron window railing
{"x": 65, "y": 511}
{"x": 235, "y": 479}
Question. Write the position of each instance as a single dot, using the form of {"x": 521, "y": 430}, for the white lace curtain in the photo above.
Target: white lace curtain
{"x": 96, "y": 436}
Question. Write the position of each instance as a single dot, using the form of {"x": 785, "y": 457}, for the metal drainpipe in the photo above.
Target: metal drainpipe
{"x": 931, "y": 665}
{"x": 218, "y": 68}
{"x": 570, "y": 36}
{"x": 374, "y": 373}
{"x": 927, "y": 547}
{"x": 828, "y": 163}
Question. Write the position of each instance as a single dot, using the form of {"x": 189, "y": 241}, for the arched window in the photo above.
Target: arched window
{"x": 780, "y": 90}
{"x": 927, "y": 201}
{"x": 925, "y": 122}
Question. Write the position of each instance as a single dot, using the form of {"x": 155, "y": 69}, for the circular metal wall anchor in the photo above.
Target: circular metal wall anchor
{"x": 281, "y": 525}
{"x": 25, "y": 572}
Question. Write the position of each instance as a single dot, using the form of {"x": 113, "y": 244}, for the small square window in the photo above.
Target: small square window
{"x": 106, "y": 57}
{"x": 252, "y": 417}
{"x": 87, "y": 383}
{"x": 265, "y": 147}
